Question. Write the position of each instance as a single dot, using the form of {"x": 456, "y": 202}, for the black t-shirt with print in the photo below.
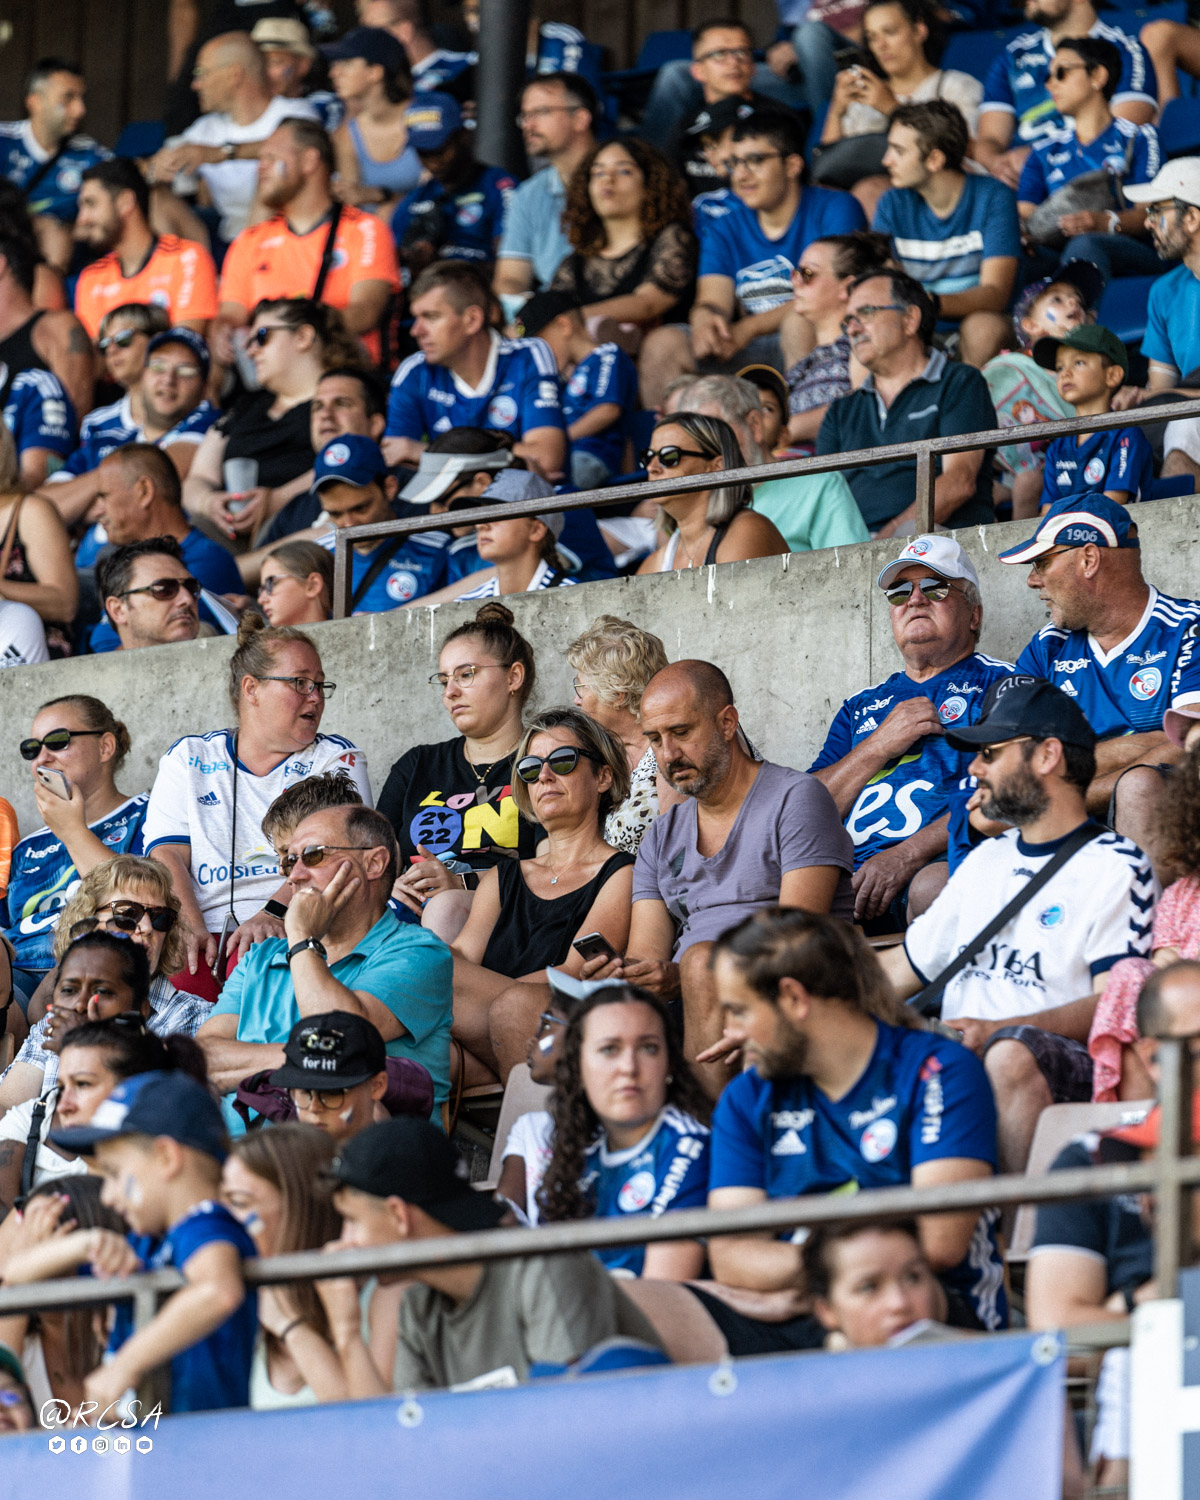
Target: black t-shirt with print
{"x": 1112, "y": 1228}
{"x": 433, "y": 796}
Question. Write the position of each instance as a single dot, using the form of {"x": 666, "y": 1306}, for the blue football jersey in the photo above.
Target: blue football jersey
{"x": 43, "y": 879}
{"x": 108, "y": 428}
{"x": 441, "y": 70}
{"x": 667, "y": 1169}
{"x": 1130, "y": 152}
{"x": 1120, "y": 459}
{"x": 1016, "y": 81}
{"x": 605, "y": 375}
{"x": 462, "y": 558}
{"x": 920, "y": 1098}
{"x": 38, "y": 413}
{"x": 1128, "y": 690}
{"x": 710, "y": 206}
{"x": 519, "y": 391}
{"x": 472, "y": 219}
{"x": 416, "y": 567}
{"x": 914, "y": 790}
{"x": 565, "y": 49}
{"x": 56, "y": 192}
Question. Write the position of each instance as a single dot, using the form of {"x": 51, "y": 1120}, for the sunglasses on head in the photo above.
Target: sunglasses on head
{"x": 670, "y": 456}
{"x": 561, "y": 761}
{"x": 56, "y": 740}
{"x": 314, "y": 854}
{"x": 122, "y": 339}
{"x": 933, "y": 589}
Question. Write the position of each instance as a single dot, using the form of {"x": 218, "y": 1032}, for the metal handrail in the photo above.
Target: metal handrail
{"x": 925, "y": 450}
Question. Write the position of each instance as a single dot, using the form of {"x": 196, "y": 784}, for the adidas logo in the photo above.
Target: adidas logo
{"x": 789, "y": 1144}
{"x": 210, "y": 799}
{"x": 1070, "y": 689}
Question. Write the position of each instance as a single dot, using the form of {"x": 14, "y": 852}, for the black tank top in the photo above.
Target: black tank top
{"x": 17, "y": 354}
{"x": 532, "y": 933}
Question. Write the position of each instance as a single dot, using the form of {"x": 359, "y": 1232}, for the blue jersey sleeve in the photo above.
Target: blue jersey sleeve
{"x": 1033, "y": 660}
{"x": 1032, "y": 186}
{"x": 1001, "y": 226}
{"x": 1147, "y": 155}
{"x": 199, "y": 1229}
{"x": 1132, "y": 468}
{"x": 718, "y": 253}
{"x": 737, "y": 1140}
{"x": 1049, "y": 488}
{"x": 405, "y": 410}
{"x": 884, "y": 221}
{"x": 498, "y": 196}
{"x": 540, "y": 396}
{"x": 837, "y": 741}
{"x": 39, "y": 413}
{"x": 997, "y": 88}
{"x": 1185, "y": 679}
{"x": 843, "y": 215}
{"x": 1138, "y": 78}
{"x": 955, "y": 1112}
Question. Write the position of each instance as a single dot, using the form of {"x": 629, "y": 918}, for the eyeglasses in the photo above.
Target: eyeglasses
{"x": 561, "y": 761}
{"x": 260, "y": 336}
{"x": 1160, "y": 211}
{"x": 933, "y": 589}
{"x": 727, "y": 54}
{"x": 988, "y": 753}
{"x": 1038, "y": 564}
{"x": 464, "y": 676}
{"x": 1060, "y": 71}
{"x": 56, "y": 740}
{"x": 181, "y": 372}
{"x": 805, "y": 274}
{"x": 164, "y": 589}
{"x": 576, "y": 686}
{"x": 547, "y": 1020}
{"x": 670, "y": 456}
{"x": 752, "y": 160}
{"x": 529, "y": 116}
{"x": 313, "y": 855}
{"x": 305, "y": 686}
{"x": 326, "y": 1098}
{"x": 122, "y": 339}
{"x": 864, "y": 314}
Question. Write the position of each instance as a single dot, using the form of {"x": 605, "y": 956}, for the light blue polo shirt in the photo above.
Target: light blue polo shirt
{"x": 533, "y": 225}
{"x": 407, "y": 968}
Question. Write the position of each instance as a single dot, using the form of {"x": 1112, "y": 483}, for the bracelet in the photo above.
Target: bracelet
{"x": 1114, "y": 222}
{"x": 295, "y": 1323}
{"x": 275, "y": 909}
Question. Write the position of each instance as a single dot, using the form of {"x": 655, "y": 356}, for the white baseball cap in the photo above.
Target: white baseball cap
{"x": 1177, "y": 179}
{"x": 1180, "y": 717}
{"x": 940, "y": 554}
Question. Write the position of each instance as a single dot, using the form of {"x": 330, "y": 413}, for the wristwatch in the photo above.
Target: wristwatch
{"x": 227, "y": 151}
{"x": 304, "y": 944}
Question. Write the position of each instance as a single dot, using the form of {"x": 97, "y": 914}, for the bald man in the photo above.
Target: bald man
{"x": 239, "y": 114}
{"x": 750, "y": 834}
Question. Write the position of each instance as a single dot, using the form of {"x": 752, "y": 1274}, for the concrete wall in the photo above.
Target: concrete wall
{"x": 796, "y": 636}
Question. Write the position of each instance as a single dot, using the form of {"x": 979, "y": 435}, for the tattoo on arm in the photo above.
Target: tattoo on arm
{"x": 9, "y": 1151}
{"x": 78, "y": 342}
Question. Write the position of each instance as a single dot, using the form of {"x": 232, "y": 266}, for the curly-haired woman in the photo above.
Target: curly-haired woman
{"x": 629, "y": 1128}
{"x": 634, "y": 252}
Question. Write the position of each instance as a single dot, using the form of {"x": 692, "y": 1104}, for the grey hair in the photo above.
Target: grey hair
{"x": 734, "y": 400}
{"x": 974, "y": 601}
{"x": 716, "y": 439}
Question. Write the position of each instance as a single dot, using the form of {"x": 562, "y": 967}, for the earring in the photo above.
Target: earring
{"x": 670, "y": 1078}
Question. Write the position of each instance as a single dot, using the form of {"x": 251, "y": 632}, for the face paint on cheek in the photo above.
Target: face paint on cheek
{"x": 131, "y": 1190}
{"x": 1050, "y": 315}
{"x": 546, "y": 1045}
{"x": 346, "y": 1115}
{"x": 252, "y": 1224}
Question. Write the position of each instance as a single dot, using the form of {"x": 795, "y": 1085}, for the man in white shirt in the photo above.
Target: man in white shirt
{"x": 239, "y": 113}
{"x": 1025, "y": 1002}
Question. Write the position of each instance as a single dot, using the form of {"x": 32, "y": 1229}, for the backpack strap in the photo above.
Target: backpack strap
{"x": 335, "y": 219}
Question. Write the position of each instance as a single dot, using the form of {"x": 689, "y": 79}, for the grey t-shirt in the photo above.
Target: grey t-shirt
{"x": 787, "y": 822}
{"x": 552, "y": 1308}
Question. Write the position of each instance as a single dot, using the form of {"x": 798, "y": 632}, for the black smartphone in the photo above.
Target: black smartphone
{"x": 593, "y": 945}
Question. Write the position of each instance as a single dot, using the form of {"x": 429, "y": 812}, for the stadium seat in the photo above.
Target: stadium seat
{"x": 1171, "y": 489}
{"x": 521, "y": 1095}
{"x": 1056, "y": 1128}
{"x": 141, "y": 138}
{"x": 1123, "y": 307}
{"x": 973, "y": 52}
{"x": 1179, "y": 129}
{"x": 630, "y": 86}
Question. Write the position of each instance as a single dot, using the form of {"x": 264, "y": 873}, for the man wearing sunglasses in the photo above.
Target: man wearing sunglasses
{"x": 886, "y": 760}
{"x": 149, "y": 594}
{"x": 344, "y": 950}
{"x": 1025, "y": 1002}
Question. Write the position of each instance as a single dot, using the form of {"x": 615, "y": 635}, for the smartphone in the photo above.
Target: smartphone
{"x": 54, "y": 781}
{"x": 593, "y": 945}
{"x": 227, "y": 927}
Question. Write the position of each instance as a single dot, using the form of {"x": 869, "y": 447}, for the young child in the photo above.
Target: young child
{"x": 530, "y": 1143}
{"x": 599, "y": 386}
{"x": 159, "y": 1144}
{"x": 1091, "y": 364}
{"x": 773, "y": 393}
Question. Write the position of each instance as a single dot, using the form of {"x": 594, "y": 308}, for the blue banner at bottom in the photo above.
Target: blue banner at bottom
{"x": 981, "y": 1418}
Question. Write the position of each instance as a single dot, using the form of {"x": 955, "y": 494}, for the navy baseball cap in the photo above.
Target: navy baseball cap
{"x": 170, "y": 1104}
{"x": 1074, "y": 521}
{"x": 414, "y": 1160}
{"x": 1023, "y": 705}
{"x": 372, "y": 43}
{"x": 335, "y": 1050}
{"x": 349, "y": 460}
{"x": 432, "y": 119}
{"x": 188, "y": 338}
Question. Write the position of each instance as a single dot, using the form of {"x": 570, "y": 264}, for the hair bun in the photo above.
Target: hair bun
{"x": 494, "y": 613}
{"x": 249, "y": 625}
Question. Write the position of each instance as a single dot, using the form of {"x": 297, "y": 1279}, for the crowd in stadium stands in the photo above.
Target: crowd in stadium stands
{"x": 308, "y": 305}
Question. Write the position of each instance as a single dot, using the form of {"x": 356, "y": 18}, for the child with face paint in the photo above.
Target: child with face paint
{"x": 336, "y": 1073}
{"x": 530, "y": 1143}
{"x": 159, "y": 1143}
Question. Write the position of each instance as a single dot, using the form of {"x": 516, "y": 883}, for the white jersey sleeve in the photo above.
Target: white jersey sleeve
{"x": 22, "y": 636}
{"x": 337, "y": 754}
{"x": 1122, "y": 893}
{"x": 167, "y": 820}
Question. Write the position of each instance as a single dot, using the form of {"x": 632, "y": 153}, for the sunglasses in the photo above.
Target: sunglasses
{"x": 269, "y": 585}
{"x": 805, "y": 274}
{"x": 1061, "y": 71}
{"x": 933, "y": 589}
{"x": 313, "y": 855}
{"x": 670, "y": 456}
{"x": 988, "y": 753}
{"x": 164, "y": 589}
{"x": 57, "y": 739}
{"x": 561, "y": 761}
{"x": 127, "y": 914}
{"x": 181, "y": 372}
{"x": 260, "y": 336}
{"x": 122, "y": 340}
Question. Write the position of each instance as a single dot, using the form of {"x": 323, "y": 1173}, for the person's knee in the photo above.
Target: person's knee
{"x": 695, "y": 975}
{"x": 1158, "y": 36}
{"x": 1013, "y": 1072}
{"x": 925, "y": 887}
{"x": 1136, "y": 796}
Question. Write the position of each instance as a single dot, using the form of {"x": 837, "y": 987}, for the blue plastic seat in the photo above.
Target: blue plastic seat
{"x": 1171, "y": 489}
{"x": 1179, "y": 130}
{"x": 659, "y": 48}
{"x": 141, "y": 138}
{"x": 974, "y": 52}
{"x": 1123, "y": 307}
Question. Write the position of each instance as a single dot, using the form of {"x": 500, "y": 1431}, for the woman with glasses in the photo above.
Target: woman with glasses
{"x": 633, "y": 257}
{"x": 820, "y": 293}
{"x": 528, "y": 914}
{"x": 204, "y": 819}
{"x": 76, "y": 747}
{"x": 125, "y": 334}
{"x": 290, "y": 343}
{"x": 451, "y": 803}
{"x": 708, "y": 525}
{"x": 296, "y": 584}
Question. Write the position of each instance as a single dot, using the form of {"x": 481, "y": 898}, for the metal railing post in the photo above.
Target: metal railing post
{"x": 925, "y": 482}
{"x": 1172, "y": 1199}
{"x": 154, "y": 1389}
{"x": 343, "y": 575}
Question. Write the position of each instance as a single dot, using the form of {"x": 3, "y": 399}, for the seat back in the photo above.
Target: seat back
{"x": 521, "y": 1095}
{"x": 663, "y": 47}
{"x": 1056, "y": 1128}
{"x": 1124, "y": 307}
{"x": 1179, "y": 130}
